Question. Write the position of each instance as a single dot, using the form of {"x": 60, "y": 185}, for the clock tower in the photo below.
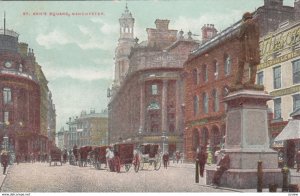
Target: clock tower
{"x": 126, "y": 41}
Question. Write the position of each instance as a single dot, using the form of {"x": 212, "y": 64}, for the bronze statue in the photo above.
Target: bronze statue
{"x": 249, "y": 49}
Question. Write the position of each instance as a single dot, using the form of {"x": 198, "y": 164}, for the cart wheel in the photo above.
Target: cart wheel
{"x": 137, "y": 167}
{"x": 127, "y": 167}
{"x": 157, "y": 165}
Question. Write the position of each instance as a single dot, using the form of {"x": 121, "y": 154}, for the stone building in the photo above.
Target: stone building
{"x": 279, "y": 72}
{"x": 147, "y": 107}
{"x": 86, "y": 130}
{"x": 21, "y": 96}
{"x": 273, "y": 13}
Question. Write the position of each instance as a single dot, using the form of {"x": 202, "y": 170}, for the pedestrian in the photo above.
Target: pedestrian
{"x": 4, "y": 161}
{"x": 298, "y": 160}
{"x": 202, "y": 158}
{"x": 222, "y": 166}
{"x": 166, "y": 159}
{"x": 18, "y": 158}
{"x": 177, "y": 156}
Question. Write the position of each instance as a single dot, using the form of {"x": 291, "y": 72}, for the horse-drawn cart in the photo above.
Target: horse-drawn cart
{"x": 150, "y": 156}
{"x": 124, "y": 156}
{"x": 55, "y": 156}
{"x": 99, "y": 156}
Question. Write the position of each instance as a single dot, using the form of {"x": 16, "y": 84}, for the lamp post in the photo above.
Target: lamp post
{"x": 164, "y": 138}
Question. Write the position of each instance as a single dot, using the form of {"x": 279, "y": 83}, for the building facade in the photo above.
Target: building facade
{"x": 21, "y": 99}
{"x": 279, "y": 72}
{"x": 147, "y": 107}
{"x": 86, "y": 130}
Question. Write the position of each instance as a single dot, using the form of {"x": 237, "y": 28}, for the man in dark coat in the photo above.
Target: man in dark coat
{"x": 4, "y": 161}
{"x": 166, "y": 159}
{"x": 201, "y": 157}
{"x": 249, "y": 48}
{"x": 223, "y": 165}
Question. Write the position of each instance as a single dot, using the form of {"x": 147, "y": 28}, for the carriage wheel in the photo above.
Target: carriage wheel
{"x": 157, "y": 165}
{"x": 127, "y": 167}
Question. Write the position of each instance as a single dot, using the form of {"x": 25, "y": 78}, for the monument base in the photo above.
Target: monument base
{"x": 246, "y": 178}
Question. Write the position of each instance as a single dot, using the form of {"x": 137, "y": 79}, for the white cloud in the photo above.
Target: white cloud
{"x": 53, "y": 38}
{"x": 85, "y": 74}
{"x": 194, "y": 25}
{"x": 88, "y": 38}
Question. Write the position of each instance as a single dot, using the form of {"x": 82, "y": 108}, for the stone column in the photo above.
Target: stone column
{"x": 142, "y": 106}
{"x": 164, "y": 119}
{"x": 164, "y": 113}
{"x": 178, "y": 114}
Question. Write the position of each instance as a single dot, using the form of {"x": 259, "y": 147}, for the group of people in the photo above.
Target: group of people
{"x": 31, "y": 157}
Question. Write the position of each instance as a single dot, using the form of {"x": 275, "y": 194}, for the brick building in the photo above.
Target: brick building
{"x": 20, "y": 92}
{"x": 148, "y": 105}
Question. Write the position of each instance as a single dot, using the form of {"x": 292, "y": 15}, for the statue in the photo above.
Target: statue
{"x": 249, "y": 49}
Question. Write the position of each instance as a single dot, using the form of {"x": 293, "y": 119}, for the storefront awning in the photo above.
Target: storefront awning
{"x": 290, "y": 132}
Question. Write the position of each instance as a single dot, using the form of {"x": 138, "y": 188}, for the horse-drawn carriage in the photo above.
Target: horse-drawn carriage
{"x": 84, "y": 153}
{"x": 150, "y": 156}
{"x": 124, "y": 156}
{"x": 99, "y": 156}
{"x": 55, "y": 156}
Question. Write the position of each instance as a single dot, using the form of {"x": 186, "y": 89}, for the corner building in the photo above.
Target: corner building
{"x": 20, "y": 97}
{"x": 147, "y": 105}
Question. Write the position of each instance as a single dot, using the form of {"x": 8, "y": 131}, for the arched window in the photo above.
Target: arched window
{"x": 205, "y": 102}
{"x": 6, "y": 95}
{"x": 215, "y": 100}
{"x": 195, "y": 139}
{"x": 216, "y": 69}
{"x": 227, "y": 64}
{"x": 196, "y": 105}
{"x": 204, "y": 72}
{"x": 195, "y": 76}
{"x": 204, "y": 137}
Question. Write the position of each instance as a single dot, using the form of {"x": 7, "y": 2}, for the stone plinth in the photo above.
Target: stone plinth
{"x": 246, "y": 178}
{"x": 247, "y": 141}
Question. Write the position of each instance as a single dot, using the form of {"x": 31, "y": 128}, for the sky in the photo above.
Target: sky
{"x": 77, "y": 52}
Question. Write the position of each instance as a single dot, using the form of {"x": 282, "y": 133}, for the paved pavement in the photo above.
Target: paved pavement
{"x": 39, "y": 177}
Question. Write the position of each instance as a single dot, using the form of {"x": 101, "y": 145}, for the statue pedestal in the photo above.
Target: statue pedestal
{"x": 247, "y": 142}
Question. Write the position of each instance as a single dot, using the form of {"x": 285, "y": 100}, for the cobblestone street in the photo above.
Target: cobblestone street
{"x": 40, "y": 177}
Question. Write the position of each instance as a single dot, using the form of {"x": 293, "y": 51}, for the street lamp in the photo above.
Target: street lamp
{"x": 164, "y": 138}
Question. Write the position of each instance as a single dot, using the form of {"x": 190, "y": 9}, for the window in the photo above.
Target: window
{"x": 277, "y": 77}
{"x": 296, "y": 101}
{"x": 171, "y": 128}
{"x": 6, "y": 117}
{"x": 195, "y": 76}
{"x": 154, "y": 89}
{"x": 6, "y": 95}
{"x": 227, "y": 64}
{"x": 216, "y": 69}
{"x": 205, "y": 103}
{"x": 196, "y": 105}
{"x": 216, "y": 100}
{"x": 260, "y": 78}
{"x": 277, "y": 108}
{"x": 204, "y": 73}
{"x": 296, "y": 71}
